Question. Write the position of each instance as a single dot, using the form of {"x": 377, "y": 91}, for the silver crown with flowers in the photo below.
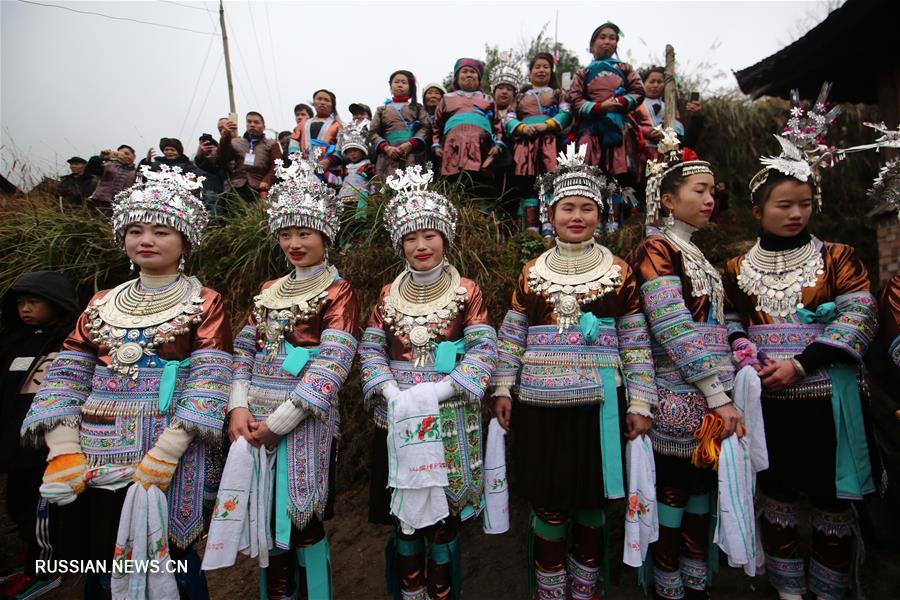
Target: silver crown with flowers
{"x": 301, "y": 199}
{"x": 506, "y": 71}
{"x": 669, "y": 160}
{"x": 168, "y": 197}
{"x": 803, "y": 148}
{"x": 414, "y": 207}
{"x": 573, "y": 177}
{"x": 354, "y": 135}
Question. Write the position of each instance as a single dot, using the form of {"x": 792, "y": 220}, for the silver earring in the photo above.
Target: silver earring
{"x": 668, "y": 221}
{"x": 181, "y": 265}
{"x": 131, "y": 265}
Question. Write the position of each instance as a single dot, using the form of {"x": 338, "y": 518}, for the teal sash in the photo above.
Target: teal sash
{"x": 282, "y": 517}
{"x": 853, "y": 472}
{"x": 610, "y": 446}
{"x": 296, "y": 357}
{"x": 446, "y": 353}
{"x": 167, "y": 382}
{"x": 397, "y": 137}
{"x": 469, "y": 119}
{"x": 316, "y": 559}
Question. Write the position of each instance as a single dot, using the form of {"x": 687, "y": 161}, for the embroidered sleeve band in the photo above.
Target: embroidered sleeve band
{"x": 317, "y": 390}
{"x": 201, "y": 408}
{"x": 637, "y": 363}
{"x": 855, "y": 326}
{"x": 64, "y": 390}
{"x": 374, "y": 368}
{"x": 244, "y": 353}
{"x": 511, "y": 343}
{"x": 473, "y": 373}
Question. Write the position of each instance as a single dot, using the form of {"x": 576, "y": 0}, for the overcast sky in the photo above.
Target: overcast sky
{"x": 72, "y": 84}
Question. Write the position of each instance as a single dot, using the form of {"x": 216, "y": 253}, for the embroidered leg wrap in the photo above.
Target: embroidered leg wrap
{"x": 547, "y": 550}
{"x": 832, "y": 548}
{"x": 279, "y": 576}
{"x": 779, "y": 532}
{"x": 586, "y": 561}
{"x": 694, "y": 544}
{"x": 666, "y": 569}
{"x": 410, "y": 566}
{"x": 315, "y": 560}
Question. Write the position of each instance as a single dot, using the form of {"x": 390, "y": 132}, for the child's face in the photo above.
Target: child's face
{"x": 400, "y": 86}
{"x": 354, "y": 154}
{"x": 654, "y": 84}
{"x": 503, "y": 95}
{"x": 35, "y": 311}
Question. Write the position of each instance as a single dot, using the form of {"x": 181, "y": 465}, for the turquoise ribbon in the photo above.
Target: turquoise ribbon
{"x": 397, "y": 137}
{"x": 329, "y": 148}
{"x": 853, "y": 472}
{"x": 824, "y": 313}
{"x": 282, "y": 518}
{"x": 613, "y": 486}
{"x": 469, "y": 119}
{"x": 670, "y": 516}
{"x": 316, "y": 559}
{"x": 590, "y": 326}
{"x": 168, "y": 380}
{"x": 446, "y": 353}
{"x": 296, "y": 357}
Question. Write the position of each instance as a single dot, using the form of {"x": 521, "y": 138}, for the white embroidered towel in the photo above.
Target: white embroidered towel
{"x": 747, "y": 392}
{"x": 417, "y": 468}
{"x": 232, "y": 504}
{"x": 641, "y": 513}
{"x": 256, "y": 540}
{"x": 735, "y": 531}
{"x": 496, "y": 489}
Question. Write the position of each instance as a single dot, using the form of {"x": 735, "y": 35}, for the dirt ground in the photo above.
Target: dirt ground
{"x": 493, "y": 566}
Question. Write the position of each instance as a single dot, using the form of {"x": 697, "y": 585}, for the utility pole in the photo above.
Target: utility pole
{"x": 233, "y": 109}
{"x": 670, "y": 92}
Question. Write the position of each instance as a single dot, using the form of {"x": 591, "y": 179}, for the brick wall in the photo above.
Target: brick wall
{"x": 888, "y": 232}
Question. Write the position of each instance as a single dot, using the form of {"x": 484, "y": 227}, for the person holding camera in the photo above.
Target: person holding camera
{"x": 248, "y": 159}
{"x": 116, "y": 171}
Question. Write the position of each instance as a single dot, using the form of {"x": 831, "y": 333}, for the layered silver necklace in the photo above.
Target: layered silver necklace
{"x": 777, "y": 277}
{"x": 705, "y": 278}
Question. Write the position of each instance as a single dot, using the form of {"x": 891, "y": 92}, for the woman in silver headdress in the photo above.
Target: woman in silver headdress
{"x": 429, "y": 345}
{"x": 803, "y": 309}
{"x": 572, "y": 343}
{"x": 290, "y": 362}
{"x": 140, "y": 388}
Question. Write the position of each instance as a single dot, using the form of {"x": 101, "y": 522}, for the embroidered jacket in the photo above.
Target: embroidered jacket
{"x": 332, "y": 330}
{"x": 386, "y": 357}
{"x": 550, "y": 368}
{"x": 120, "y": 415}
{"x": 850, "y": 329}
{"x": 688, "y": 345}
{"x": 536, "y": 155}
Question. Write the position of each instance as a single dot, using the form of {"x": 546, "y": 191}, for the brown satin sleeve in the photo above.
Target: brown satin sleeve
{"x": 729, "y": 283}
{"x": 846, "y": 271}
{"x": 79, "y": 340}
{"x": 520, "y": 297}
{"x": 476, "y": 310}
{"x": 890, "y": 309}
{"x": 342, "y": 311}
{"x": 214, "y": 331}
{"x": 376, "y": 319}
{"x": 657, "y": 257}
{"x": 627, "y": 299}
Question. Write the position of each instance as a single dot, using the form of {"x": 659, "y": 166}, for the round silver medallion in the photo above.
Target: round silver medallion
{"x": 129, "y": 353}
{"x": 419, "y": 336}
{"x": 567, "y": 306}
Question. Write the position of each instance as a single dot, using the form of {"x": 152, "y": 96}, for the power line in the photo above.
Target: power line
{"x": 208, "y": 90}
{"x": 240, "y": 54}
{"x": 262, "y": 62}
{"x": 96, "y": 14}
{"x": 196, "y": 86}
{"x": 272, "y": 49}
{"x": 185, "y": 5}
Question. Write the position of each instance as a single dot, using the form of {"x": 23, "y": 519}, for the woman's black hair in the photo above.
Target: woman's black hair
{"x": 759, "y": 197}
{"x": 653, "y": 69}
{"x": 305, "y": 108}
{"x": 412, "y": 84}
{"x": 334, "y": 112}
{"x": 671, "y": 182}
{"x": 549, "y": 58}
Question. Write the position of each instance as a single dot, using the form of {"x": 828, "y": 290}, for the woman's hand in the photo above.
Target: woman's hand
{"x": 636, "y": 425}
{"x": 393, "y": 152}
{"x": 777, "y": 375}
{"x": 405, "y": 149}
{"x": 503, "y": 410}
{"x": 610, "y": 105}
{"x": 239, "y": 420}
{"x": 731, "y": 419}
{"x": 263, "y": 435}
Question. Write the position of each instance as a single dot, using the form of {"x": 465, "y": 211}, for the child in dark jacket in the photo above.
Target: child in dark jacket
{"x": 38, "y": 312}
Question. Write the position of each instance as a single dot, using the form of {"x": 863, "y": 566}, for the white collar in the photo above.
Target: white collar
{"x": 151, "y": 282}
{"x": 307, "y": 272}
{"x": 682, "y": 230}
{"x": 572, "y": 249}
{"x": 426, "y": 277}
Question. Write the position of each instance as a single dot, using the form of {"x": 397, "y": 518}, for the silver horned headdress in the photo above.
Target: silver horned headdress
{"x": 301, "y": 199}
{"x": 803, "y": 146}
{"x": 414, "y": 207}
{"x": 354, "y": 135}
{"x": 168, "y": 197}
{"x": 506, "y": 71}
{"x": 573, "y": 177}
{"x": 671, "y": 158}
